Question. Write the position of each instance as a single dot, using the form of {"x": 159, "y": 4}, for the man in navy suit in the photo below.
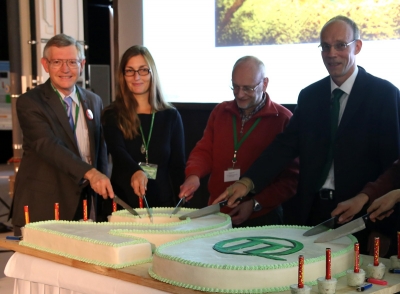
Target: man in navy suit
{"x": 366, "y": 142}
{"x": 64, "y": 150}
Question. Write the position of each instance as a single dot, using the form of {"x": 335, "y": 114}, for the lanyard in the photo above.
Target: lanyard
{"x": 146, "y": 144}
{"x": 237, "y": 144}
{"x": 65, "y": 106}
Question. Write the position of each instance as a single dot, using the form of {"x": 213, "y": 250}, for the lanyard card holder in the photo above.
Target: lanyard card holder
{"x": 149, "y": 169}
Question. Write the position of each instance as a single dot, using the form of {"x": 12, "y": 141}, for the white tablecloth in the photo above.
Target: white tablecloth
{"x": 39, "y": 276}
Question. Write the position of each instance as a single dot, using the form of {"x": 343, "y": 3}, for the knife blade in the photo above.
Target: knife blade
{"x": 214, "y": 208}
{"x": 125, "y": 205}
{"x": 349, "y": 228}
{"x": 178, "y": 206}
{"x": 322, "y": 227}
{"x": 148, "y": 208}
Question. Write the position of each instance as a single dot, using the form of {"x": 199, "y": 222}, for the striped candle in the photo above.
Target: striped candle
{"x": 85, "y": 212}
{"x": 356, "y": 257}
{"x": 328, "y": 274}
{"x": 376, "y": 251}
{"x": 300, "y": 283}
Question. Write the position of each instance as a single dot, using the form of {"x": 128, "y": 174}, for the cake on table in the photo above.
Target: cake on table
{"x": 116, "y": 244}
{"x": 248, "y": 260}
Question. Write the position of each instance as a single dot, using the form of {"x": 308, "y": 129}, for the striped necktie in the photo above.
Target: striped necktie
{"x": 68, "y": 104}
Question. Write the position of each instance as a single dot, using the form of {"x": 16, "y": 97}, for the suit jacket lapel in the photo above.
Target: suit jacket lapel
{"x": 58, "y": 108}
{"x": 87, "y": 105}
{"x": 354, "y": 101}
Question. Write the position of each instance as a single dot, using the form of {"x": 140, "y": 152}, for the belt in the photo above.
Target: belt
{"x": 326, "y": 194}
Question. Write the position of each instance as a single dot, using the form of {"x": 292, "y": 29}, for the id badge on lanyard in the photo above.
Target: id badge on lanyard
{"x": 232, "y": 174}
{"x": 149, "y": 169}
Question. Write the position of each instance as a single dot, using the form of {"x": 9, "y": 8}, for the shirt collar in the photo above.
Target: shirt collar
{"x": 257, "y": 109}
{"x": 347, "y": 85}
{"x": 73, "y": 95}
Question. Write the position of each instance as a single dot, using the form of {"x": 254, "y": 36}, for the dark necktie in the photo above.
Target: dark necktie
{"x": 68, "y": 103}
{"x": 335, "y": 107}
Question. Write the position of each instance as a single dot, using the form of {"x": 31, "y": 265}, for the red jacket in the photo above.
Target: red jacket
{"x": 388, "y": 181}
{"x": 214, "y": 152}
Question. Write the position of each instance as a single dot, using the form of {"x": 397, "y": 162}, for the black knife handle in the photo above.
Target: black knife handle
{"x": 225, "y": 202}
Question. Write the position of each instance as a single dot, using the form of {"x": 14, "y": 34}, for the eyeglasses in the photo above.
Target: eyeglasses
{"x": 57, "y": 63}
{"x": 245, "y": 89}
{"x": 142, "y": 72}
{"x": 341, "y": 46}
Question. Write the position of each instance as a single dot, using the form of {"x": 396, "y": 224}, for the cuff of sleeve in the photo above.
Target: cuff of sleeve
{"x": 248, "y": 183}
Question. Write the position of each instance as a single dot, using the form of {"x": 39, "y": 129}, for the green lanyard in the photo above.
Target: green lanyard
{"x": 146, "y": 144}
{"x": 65, "y": 106}
{"x": 235, "y": 142}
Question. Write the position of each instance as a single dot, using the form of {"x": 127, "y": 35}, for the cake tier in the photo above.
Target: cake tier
{"x": 117, "y": 244}
{"x": 248, "y": 260}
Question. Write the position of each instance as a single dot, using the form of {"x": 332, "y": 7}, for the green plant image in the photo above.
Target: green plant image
{"x": 265, "y": 22}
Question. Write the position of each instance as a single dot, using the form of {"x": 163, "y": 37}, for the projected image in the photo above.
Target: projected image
{"x": 267, "y": 22}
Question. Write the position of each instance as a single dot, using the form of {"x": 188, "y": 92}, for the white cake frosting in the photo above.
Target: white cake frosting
{"x": 118, "y": 244}
{"x": 262, "y": 259}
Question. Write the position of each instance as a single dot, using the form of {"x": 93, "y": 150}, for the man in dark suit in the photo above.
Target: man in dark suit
{"x": 64, "y": 150}
{"x": 365, "y": 143}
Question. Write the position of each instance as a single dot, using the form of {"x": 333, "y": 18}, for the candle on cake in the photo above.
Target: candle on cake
{"x": 85, "y": 212}
{"x": 140, "y": 202}
{"x": 56, "y": 211}
{"x": 377, "y": 269}
{"x": 114, "y": 206}
{"x": 300, "y": 287}
{"x": 327, "y": 285}
{"x": 395, "y": 260}
{"x": 356, "y": 276}
{"x": 26, "y": 213}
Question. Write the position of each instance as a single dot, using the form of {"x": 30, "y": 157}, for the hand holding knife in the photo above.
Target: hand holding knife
{"x": 347, "y": 229}
{"x": 125, "y": 205}
{"x": 178, "y": 206}
{"x": 148, "y": 208}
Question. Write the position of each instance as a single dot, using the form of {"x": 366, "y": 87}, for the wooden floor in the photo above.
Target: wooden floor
{"x": 6, "y": 284}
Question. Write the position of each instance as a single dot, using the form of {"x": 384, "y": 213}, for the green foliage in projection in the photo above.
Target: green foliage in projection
{"x": 259, "y": 22}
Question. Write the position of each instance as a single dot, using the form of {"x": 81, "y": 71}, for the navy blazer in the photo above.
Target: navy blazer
{"x": 367, "y": 142}
{"x": 51, "y": 168}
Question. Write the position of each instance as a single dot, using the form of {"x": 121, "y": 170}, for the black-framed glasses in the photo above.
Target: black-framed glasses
{"x": 340, "y": 46}
{"x": 141, "y": 71}
{"x": 57, "y": 63}
{"x": 245, "y": 89}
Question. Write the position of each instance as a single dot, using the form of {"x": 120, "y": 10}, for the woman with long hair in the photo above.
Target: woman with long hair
{"x": 144, "y": 135}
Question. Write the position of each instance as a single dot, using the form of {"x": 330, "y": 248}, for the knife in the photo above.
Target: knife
{"x": 148, "y": 209}
{"x": 349, "y": 228}
{"x": 322, "y": 227}
{"x": 214, "y": 208}
{"x": 178, "y": 206}
{"x": 125, "y": 205}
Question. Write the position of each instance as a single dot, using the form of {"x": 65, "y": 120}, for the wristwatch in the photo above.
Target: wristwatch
{"x": 257, "y": 206}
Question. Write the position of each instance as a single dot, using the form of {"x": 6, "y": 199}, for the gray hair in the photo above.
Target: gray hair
{"x": 63, "y": 40}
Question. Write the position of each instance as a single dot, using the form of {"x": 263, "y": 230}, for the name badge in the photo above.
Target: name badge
{"x": 149, "y": 169}
{"x": 231, "y": 175}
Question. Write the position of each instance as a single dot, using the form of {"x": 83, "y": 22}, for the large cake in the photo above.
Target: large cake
{"x": 248, "y": 260}
{"x": 118, "y": 244}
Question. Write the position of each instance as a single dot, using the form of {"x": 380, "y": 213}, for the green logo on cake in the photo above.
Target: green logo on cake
{"x": 267, "y": 247}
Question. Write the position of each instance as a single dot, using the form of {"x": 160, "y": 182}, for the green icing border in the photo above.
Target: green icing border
{"x": 263, "y": 267}
{"x": 205, "y": 228}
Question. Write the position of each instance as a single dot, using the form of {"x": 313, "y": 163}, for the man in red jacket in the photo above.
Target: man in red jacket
{"x": 236, "y": 134}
